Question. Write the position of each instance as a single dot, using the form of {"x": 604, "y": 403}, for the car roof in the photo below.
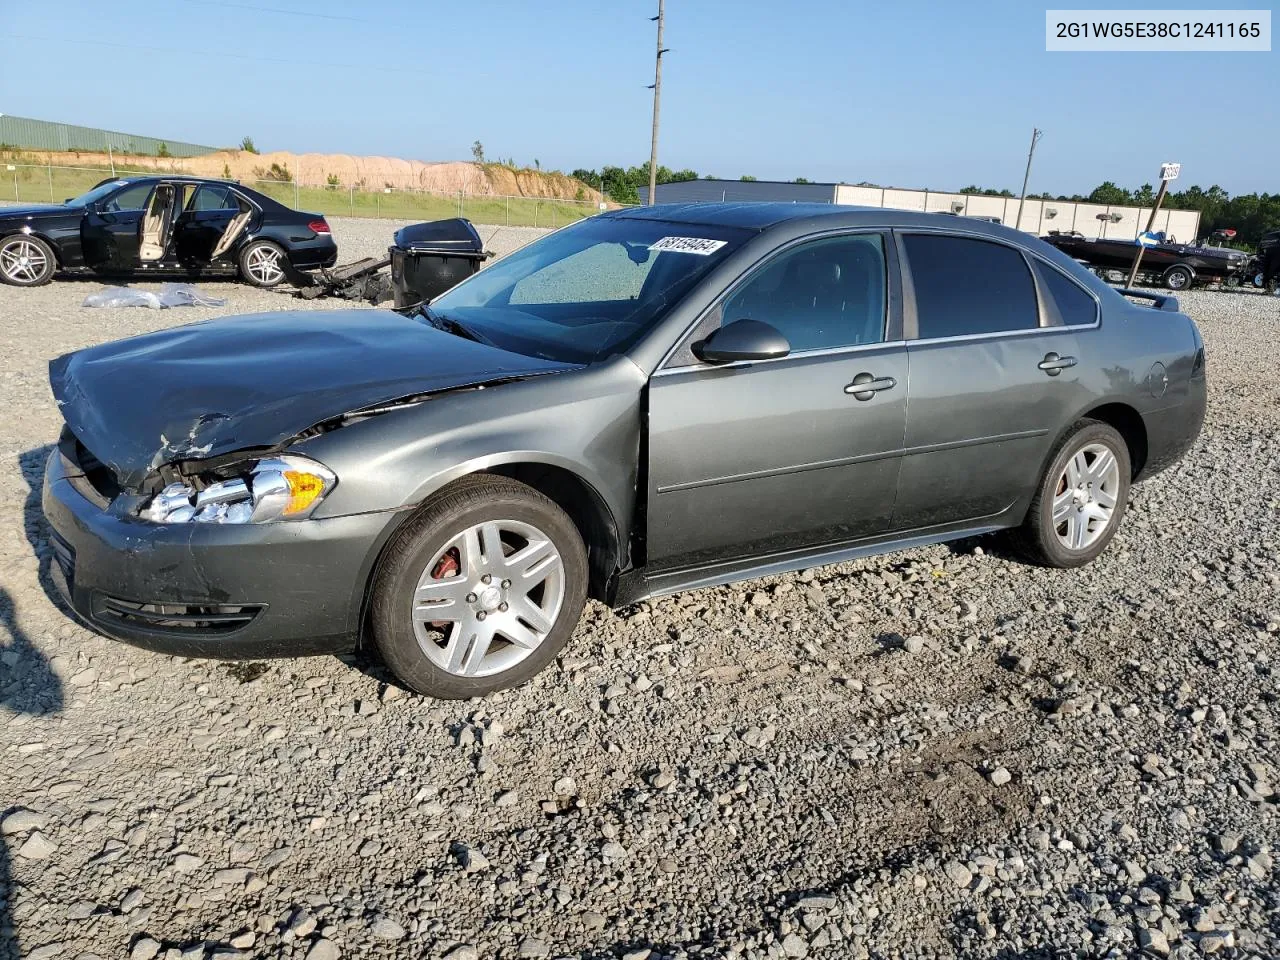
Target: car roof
{"x": 762, "y": 216}
{"x": 170, "y": 177}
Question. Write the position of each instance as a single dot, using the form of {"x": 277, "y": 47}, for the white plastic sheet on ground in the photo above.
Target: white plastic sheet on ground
{"x": 170, "y": 295}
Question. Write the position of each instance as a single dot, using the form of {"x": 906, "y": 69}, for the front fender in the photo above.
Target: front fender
{"x": 584, "y": 421}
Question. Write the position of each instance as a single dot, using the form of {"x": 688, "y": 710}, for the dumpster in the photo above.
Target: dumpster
{"x": 429, "y": 258}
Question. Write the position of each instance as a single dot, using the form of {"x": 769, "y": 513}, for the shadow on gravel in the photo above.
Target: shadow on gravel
{"x": 27, "y": 685}
{"x": 27, "y": 681}
{"x": 32, "y": 463}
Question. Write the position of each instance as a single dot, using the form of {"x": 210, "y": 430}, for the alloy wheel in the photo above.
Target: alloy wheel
{"x": 488, "y": 598}
{"x": 263, "y": 264}
{"x": 23, "y": 261}
{"x": 1084, "y": 499}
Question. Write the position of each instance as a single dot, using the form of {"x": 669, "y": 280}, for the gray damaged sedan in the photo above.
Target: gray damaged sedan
{"x": 649, "y": 401}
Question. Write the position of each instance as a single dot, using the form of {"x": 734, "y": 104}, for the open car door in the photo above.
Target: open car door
{"x": 210, "y": 217}
{"x": 234, "y": 229}
{"x": 157, "y": 224}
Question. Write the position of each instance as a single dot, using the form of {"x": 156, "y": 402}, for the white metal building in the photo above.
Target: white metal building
{"x": 1038, "y": 216}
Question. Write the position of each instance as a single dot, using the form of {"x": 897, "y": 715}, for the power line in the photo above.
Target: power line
{"x": 291, "y": 13}
{"x": 327, "y": 64}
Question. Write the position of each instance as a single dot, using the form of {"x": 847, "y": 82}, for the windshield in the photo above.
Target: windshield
{"x": 97, "y": 193}
{"x": 588, "y": 291}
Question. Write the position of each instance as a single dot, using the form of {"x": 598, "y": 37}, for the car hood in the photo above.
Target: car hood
{"x": 36, "y": 213}
{"x": 256, "y": 381}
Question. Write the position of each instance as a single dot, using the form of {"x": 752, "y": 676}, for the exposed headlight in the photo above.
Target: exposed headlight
{"x": 277, "y": 488}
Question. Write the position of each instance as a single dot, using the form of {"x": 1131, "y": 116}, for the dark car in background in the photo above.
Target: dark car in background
{"x": 143, "y": 226}
{"x": 651, "y": 400}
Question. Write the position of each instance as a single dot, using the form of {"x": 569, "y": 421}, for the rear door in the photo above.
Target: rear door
{"x": 757, "y": 458}
{"x": 204, "y": 219}
{"x": 995, "y": 375}
{"x": 109, "y": 231}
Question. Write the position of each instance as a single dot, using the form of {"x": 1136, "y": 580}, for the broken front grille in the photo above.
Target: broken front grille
{"x": 216, "y": 618}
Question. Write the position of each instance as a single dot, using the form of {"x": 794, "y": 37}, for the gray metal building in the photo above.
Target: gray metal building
{"x": 750, "y": 191}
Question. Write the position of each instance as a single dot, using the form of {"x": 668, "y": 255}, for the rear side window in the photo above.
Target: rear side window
{"x": 213, "y": 198}
{"x": 965, "y": 287}
{"x": 1074, "y": 307}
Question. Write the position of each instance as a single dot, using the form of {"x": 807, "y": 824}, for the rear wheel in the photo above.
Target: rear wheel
{"x": 1178, "y": 277}
{"x": 261, "y": 263}
{"x": 480, "y": 590}
{"x": 1081, "y": 499}
{"x": 26, "y": 261}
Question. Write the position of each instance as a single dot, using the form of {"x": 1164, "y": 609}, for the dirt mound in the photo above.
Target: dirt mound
{"x": 370, "y": 173}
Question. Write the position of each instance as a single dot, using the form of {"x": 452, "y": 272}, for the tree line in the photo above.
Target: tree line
{"x": 1249, "y": 214}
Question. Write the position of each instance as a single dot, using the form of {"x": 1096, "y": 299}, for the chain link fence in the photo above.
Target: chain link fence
{"x": 27, "y": 183}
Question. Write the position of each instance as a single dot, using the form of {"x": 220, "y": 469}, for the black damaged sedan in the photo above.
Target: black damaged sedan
{"x": 648, "y": 401}
{"x": 171, "y": 226}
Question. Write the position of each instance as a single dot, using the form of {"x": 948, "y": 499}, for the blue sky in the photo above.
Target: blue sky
{"x": 911, "y": 94}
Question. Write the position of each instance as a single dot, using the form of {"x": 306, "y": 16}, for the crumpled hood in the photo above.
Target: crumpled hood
{"x": 219, "y": 386}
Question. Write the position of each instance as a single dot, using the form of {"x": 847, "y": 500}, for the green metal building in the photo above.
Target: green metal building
{"x": 28, "y": 134}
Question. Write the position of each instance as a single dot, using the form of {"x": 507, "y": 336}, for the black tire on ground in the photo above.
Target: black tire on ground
{"x": 1038, "y": 537}
{"x": 256, "y": 263}
{"x": 26, "y": 261}
{"x": 1179, "y": 277}
{"x": 458, "y": 507}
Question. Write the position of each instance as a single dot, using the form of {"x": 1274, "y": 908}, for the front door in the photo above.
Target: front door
{"x": 109, "y": 231}
{"x": 758, "y": 458}
{"x": 995, "y": 373}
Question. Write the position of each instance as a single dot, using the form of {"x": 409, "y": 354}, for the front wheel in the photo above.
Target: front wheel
{"x": 1081, "y": 498}
{"x": 480, "y": 590}
{"x": 261, "y": 263}
{"x": 26, "y": 261}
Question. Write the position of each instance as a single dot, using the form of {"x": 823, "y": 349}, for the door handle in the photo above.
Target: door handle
{"x": 1052, "y": 364}
{"x": 866, "y": 385}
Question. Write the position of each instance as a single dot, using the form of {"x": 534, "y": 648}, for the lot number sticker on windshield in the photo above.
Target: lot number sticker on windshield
{"x": 703, "y": 248}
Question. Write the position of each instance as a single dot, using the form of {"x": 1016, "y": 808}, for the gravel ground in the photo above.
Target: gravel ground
{"x": 942, "y": 752}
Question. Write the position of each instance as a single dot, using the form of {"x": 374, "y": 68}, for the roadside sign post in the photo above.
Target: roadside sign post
{"x": 1168, "y": 171}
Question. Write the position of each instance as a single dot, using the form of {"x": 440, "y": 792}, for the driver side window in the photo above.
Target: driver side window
{"x": 821, "y": 295}
{"x": 129, "y": 199}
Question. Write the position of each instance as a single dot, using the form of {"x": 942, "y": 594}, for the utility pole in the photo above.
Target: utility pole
{"x": 657, "y": 95}
{"x": 1035, "y": 137}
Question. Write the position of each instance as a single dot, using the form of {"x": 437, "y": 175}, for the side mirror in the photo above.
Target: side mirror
{"x": 742, "y": 340}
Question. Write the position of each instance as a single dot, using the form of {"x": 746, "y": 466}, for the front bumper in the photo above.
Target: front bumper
{"x": 224, "y": 591}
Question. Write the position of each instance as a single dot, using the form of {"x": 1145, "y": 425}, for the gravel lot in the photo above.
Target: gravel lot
{"x": 937, "y": 753}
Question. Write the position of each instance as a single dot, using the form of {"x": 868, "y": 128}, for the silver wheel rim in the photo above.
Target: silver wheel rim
{"x": 23, "y": 261}
{"x": 1085, "y": 496}
{"x": 1177, "y": 280}
{"x": 263, "y": 264}
{"x": 488, "y": 598}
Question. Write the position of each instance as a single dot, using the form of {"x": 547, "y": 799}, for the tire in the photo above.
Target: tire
{"x": 480, "y": 643}
{"x": 1179, "y": 277}
{"x": 259, "y": 264}
{"x": 1055, "y": 545}
{"x": 26, "y": 261}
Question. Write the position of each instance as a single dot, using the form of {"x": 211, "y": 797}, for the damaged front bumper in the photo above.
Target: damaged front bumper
{"x": 224, "y": 591}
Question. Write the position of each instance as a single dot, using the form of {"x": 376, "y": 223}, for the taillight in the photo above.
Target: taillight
{"x": 318, "y": 226}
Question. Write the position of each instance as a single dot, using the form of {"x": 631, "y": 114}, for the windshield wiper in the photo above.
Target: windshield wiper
{"x": 450, "y": 325}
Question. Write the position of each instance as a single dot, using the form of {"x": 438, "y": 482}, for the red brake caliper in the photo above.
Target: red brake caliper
{"x": 448, "y": 566}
